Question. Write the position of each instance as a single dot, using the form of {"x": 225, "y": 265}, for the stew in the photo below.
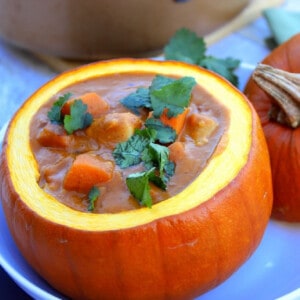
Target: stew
{"x": 66, "y": 157}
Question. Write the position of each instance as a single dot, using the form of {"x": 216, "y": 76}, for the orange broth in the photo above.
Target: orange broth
{"x": 54, "y": 162}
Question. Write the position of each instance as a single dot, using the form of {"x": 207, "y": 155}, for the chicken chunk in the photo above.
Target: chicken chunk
{"x": 200, "y": 127}
{"x": 114, "y": 127}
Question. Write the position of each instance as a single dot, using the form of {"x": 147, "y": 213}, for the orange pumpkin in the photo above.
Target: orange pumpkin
{"x": 178, "y": 249}
{"x": 282, "y": 140}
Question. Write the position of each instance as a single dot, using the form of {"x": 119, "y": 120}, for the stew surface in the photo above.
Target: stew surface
{"x": 204, "y": 124}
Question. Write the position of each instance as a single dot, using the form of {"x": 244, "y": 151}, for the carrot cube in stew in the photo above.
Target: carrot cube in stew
{"x": 176, "y": 122}
{"x": 96, "y": 105}
{"x": 54, "y": 135}
{"x": 87, "y": 171}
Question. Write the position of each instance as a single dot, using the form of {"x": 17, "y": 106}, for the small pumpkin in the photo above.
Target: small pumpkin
{"x": 282, "y": 139}
{"x": 179, "y": 248}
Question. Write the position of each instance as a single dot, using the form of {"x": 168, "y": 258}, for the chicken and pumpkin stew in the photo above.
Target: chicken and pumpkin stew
{"x": 125, "y": 141}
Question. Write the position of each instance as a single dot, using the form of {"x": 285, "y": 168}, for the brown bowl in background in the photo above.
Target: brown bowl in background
{"x": 93, "y": 29}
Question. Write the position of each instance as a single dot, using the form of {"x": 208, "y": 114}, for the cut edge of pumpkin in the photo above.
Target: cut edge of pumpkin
{"x": 223, "y": 166}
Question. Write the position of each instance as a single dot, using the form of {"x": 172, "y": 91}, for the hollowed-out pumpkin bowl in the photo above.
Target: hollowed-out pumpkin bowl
{"x": 179, "y": 248}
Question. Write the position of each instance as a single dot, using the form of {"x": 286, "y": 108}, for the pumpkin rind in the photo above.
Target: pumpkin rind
{"x": 283, "y": 142}
{"x": 181, "y": 247}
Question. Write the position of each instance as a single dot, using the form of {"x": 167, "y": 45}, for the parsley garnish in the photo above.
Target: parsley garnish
{"x": 55, "y": 112}
{"x": 164, "y": 134}
{"x": 134, "y": 101}
{"x": 147, "y": 145}
{"x": 175, "y": 95}
{"x": 160, "y": 81}
{"x": 157, "y": 156}
{"x": 79, "y": 118}
{"x": 94, "y": 193}
{"x": 186, "y": 46}
{"x": 128, "y": 153}
{"x": 138, "y": 185}
{"x": 224, "y": 67}
{"x": 141, "y": 148}
{"x": 164, "y": 92}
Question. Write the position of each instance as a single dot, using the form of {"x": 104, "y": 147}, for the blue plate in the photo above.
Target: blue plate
{"x": 272, "y": 272}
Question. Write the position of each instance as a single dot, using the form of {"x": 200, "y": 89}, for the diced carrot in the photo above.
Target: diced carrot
{"x": 52, "y": 173}
{"x": 53, "y": 135}
{"x": 87, "y": 171}
{"x": 96, "y": 105}
{"x": 176, "y": 151}
{"x": 176, "y": 122}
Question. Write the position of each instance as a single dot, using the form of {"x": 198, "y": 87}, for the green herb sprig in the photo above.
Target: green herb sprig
{"x": 93, "y": 195}
{"x": 163, "y": 93}
{"x": 186, "y": 46}
{"x": 78, "y": 118}
{"x": 148, "y": 146}
{"x": 54, "y": 114}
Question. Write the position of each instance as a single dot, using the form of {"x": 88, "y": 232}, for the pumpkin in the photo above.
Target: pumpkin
{"x": 179, "y": 248}
{"x": 282, "y": 139}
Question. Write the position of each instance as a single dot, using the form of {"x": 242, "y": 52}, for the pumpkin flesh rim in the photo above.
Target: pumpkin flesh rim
{"x": 224, "y": 165}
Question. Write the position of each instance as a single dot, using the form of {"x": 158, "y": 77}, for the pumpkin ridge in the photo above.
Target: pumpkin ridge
{"x": 119, "y": 285}
{"x": 218, "y": 269}
{"x": 246, "y": 205}
{"x": 163, "y": 267}
{"x": 74, "y": 274}
{"x": 286, "y": 146}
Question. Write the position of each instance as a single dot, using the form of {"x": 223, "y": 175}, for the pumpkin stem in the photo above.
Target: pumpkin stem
{"x": 284, "y": 88}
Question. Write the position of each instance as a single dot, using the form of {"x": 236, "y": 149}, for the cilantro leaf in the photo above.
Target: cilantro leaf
{"x": 185, "y": 46}
{"x": 94, "y": 193}
{"x": 165, "y": 95}
{"x": 134, "y": 101}
{"x": 141, "y": 147}
{"x": 138, "y": 185}
{"x": 55, "y": 112}
{"x": 160, "y": 155}
{"x": 224, "y": 67}
{"x": 160, "y": 81}
{"x": 163, "y": 178}
{"x": 159, "y": 181}
{"x": 79, "y": 118}
{"x": 128, "y": 153}
{"x": 169, "y": 168}
{"x": 147, "y": 133}
{"x": 165, "y": 134}
{"x": 174, "y": 96}
{"x": 157, "y": 156}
